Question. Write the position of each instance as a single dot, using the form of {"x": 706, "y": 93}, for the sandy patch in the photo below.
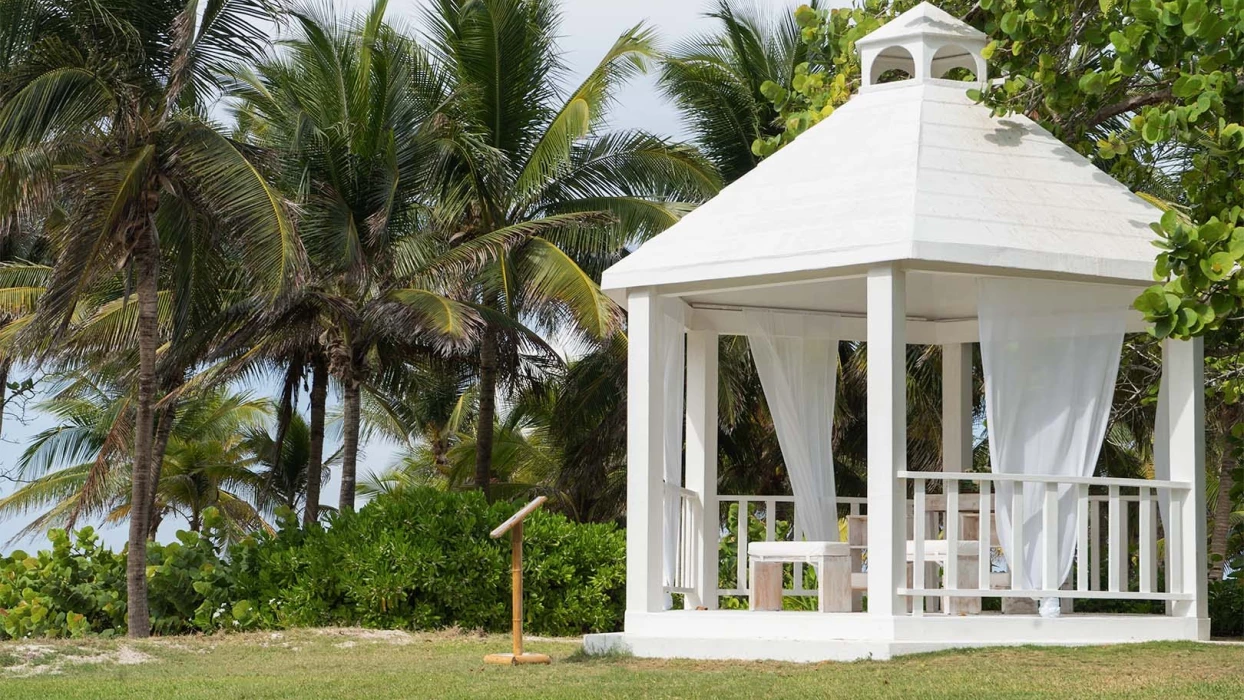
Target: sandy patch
{"x": 40, "y": 659}
{"x": 397, "y": 637}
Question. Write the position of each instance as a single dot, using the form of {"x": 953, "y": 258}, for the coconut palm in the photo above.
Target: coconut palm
{"x": 548, "y": 198}
{"x": 526, "y": 459}
{"x": 283, "y": 474}
{"x": 714, "y": 79}
{"x": 350, "y": 106}
{"x": 114, "y": 95}
{"x": 209, "y": 461}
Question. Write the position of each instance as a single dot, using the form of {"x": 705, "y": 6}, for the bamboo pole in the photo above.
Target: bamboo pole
{"x": 515, "y": 527}
{"x": 516, "y": 583}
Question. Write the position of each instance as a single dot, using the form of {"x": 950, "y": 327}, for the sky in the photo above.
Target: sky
{"x": 588, "y": 28}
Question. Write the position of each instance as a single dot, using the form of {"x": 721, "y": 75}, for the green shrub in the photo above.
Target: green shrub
{"x": 75, "y": 588}
{"x": 423, "y": 559}
{"x": 1226, "y": 606}
{"x": 419, "y": 559}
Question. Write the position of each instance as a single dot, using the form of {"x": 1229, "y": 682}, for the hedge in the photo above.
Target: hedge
{"x": 415, "y": 560}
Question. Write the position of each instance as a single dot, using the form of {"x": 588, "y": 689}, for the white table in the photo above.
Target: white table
{"x": 833, "y": 572}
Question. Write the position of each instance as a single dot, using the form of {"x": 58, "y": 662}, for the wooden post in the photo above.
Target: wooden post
{"x": 516, "y": 585}
{"x": 515, "y": 527}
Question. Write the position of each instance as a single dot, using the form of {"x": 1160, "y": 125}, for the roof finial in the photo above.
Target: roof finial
{"x": 925, "y": 42}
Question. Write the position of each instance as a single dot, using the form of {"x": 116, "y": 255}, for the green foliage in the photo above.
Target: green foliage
{"x": 74, "y": 588}
{"x": 420, "y": 558}
{"x": 831, "y": 73}
{"x": 1226, "y": 607}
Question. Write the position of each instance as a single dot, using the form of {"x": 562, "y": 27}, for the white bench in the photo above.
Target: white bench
{"x": 833, "y": 572}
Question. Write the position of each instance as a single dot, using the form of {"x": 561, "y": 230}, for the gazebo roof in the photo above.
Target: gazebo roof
{"x": 909, "y": 171}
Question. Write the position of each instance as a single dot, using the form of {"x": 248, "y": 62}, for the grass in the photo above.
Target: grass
{"x": 374, "y": 665}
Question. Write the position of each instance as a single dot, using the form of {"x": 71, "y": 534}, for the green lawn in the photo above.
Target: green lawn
{"x": 373, "y": 665}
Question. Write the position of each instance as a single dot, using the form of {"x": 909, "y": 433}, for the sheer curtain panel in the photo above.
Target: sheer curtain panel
{"x": 1051, "y": 356}
{"x": 800, "y": 375}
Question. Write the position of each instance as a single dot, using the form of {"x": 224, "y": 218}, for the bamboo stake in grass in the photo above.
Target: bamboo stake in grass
{"x": 515, "y": 527}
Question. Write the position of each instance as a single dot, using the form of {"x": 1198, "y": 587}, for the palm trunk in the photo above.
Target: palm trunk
{"x": 487, "y": 411}
{"x": 350, "y": 439}
{"x": 163, "y": 431}
{"x": 315, "y": 459}
{"x": 1222, "y": 514}
{"x": 285, "y": 412}
{"x": 440, "y": 453}
{"x": 138, "y": 615}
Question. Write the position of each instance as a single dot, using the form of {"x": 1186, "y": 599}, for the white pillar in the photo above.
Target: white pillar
{"x": 1185, "y": 369}
{"x": 645, "y": 453}
{"x": 702, "y": 460}
{"x": 887, "y": 438}
{"x": 956, "y": 440}
{"x": 957, "y": 407}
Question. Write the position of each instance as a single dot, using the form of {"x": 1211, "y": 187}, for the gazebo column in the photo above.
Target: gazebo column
{"x": 702, "y": 351}
{"x": 887, "y": 438}
{"x": 956, "y": 457}
{"x": 1185, "y": 370}
{"x": 957, "y": 407}
{"x": 645, "y": 450}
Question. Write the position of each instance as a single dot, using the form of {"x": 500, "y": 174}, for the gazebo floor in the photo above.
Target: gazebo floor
{"x": 812, "y": 636}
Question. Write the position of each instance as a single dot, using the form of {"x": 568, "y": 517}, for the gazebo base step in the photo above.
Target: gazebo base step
{"x": 811, "y": 636}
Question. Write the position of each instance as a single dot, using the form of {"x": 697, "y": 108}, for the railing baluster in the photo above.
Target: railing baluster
{"x": 744, "y": 520}
{"x": 1049, "y": 538}
{"x": 771, "y": 521}
{"x": 1115, "y": 555}
{"x": 1125, "y": 561}
{"x": 951, "y": 488}
{"x": 1174, "y": 545}
{"x": 1015, "y": 557}
{"x": 917, "y": 565}
{"x": 985, "y": 569}
{"x": 1082, "y": 537}
{"x": 1148, "y": 551}
{"x": 688, "y": 568}
{"x": 1095, "y": 531}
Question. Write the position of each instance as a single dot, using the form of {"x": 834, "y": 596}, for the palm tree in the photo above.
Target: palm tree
{"x": 350, "y": 106}
{"x": 547, "y": 198}
{"x": 114, "y": 95}
{"x": 209, "y": 462}
{"x": 714, "y": 79}
{"x": 284, "y": 474}
{"x": 526, "y": 459}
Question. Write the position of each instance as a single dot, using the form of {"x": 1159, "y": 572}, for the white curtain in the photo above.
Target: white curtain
{"x": 1051, "y": 357}
{"x": 799, "y": 375}
{"x": 673, "y": 358}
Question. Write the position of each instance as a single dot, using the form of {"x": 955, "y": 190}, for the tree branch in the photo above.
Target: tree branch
{"x": 1131, "y": 104}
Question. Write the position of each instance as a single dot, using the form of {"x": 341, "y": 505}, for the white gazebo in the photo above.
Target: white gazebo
{"x": 910, "y": 216}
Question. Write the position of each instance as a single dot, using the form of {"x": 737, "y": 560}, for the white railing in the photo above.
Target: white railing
{"x": 1089, "y": 556}
{"x": 939, "y": 519}
{"x": 682, "y": 579}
